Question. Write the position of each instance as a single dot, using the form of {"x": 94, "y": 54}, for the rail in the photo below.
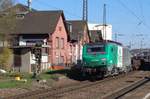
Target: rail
{"x": 128, "y": 89}
{"x": 52, "y": 92}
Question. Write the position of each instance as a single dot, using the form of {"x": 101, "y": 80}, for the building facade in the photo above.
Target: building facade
{"x": 45, "y": 28}
{"x": 60, "y": 41}
{"x": 79, "y": 35}
{"x": 106, "y": 30}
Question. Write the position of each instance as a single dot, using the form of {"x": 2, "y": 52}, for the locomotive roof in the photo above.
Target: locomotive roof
{"x": 104, "y": 42}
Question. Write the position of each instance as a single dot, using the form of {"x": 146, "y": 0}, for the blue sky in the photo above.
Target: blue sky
{"x": 130, "y": 18}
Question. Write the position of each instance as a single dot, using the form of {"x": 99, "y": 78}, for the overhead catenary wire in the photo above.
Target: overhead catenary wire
{"x": 54, "y": 7}
{"x": 142, "y": 13}
{"x": 141, "y": 21}
{"x": 132, "y": 12}
{"x": 141, "y": 9}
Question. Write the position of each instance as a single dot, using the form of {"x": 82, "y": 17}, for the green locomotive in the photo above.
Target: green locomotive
{"x": 105, "y": 58}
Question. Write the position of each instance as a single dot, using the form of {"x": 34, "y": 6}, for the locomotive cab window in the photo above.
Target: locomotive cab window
{"x": 95, "y": 48}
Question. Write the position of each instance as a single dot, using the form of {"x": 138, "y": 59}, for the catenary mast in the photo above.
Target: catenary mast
{"x": 85, "y": 10}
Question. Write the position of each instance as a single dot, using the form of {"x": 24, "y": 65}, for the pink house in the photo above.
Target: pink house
{"x": 58, "y": 42}
{"x": 79, "y": 35}
{"x": 45, "y": 27}
{"x": 61, "y": 42}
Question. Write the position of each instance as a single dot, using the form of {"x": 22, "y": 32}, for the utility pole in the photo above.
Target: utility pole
{"x": 84, "y": 18}
{"x": 29, "y": 4}
{"x": 85, "y": 10}
{"x": 79, "y": 47}
{"x": 141, "y": 46}
{"x": 130, "y": 44}
{"x": 141, "y": 42}
{"x": 104, "y": 22}
{"x": 116, "y": 37}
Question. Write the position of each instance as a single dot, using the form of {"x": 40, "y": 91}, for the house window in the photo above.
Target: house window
{"x": 57, "y": 42}
{"x": 30, "y": 43}
{"x": 59, "y": 28}
{"x": 62, "y": 43}
{"x": 17, "y": 58}
{"x": 70, "y": 28}
{"x": 47, "y": 50}
{"x": 15, "y": 41}
{"x": 33, "y": 67}
{"x": 61, "y": 59}
{"x": 19, "y": 16}
{"x": 70, "y": 48}
{"x": 57, "y": 61}
{"x": 1, "y": 43}
{"x": 57, "y": 58}
{"x": 44, "y": 51}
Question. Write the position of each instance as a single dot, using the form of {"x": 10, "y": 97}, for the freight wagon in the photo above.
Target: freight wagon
{"x": 105, "y": 58}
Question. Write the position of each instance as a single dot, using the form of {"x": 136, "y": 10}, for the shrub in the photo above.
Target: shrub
{"x": 4, "y": 58}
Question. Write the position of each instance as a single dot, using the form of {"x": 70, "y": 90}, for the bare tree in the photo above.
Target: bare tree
{"x": 5, "y": 4}
{"x": 7, "y": 25}
{"x": 7, "y": 16}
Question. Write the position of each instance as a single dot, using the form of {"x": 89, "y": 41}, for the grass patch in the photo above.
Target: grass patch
{"x": 47, "y": 76}
{"x": 8, "y": 80}
{"x": 11, "y": 84}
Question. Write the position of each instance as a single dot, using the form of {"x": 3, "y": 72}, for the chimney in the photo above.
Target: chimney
{"x": 29, "y": 4}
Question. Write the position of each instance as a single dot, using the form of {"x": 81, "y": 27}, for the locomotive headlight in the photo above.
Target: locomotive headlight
{"x": 110, "y": 61}
{"x": 103, "y": 59}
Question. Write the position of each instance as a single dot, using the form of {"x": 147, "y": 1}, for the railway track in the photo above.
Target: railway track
{"x": 44, "y": 93}
{"x": 59, "y": 92}
{"x": 62, "y": 92}
{"x": 128, "y": 89}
